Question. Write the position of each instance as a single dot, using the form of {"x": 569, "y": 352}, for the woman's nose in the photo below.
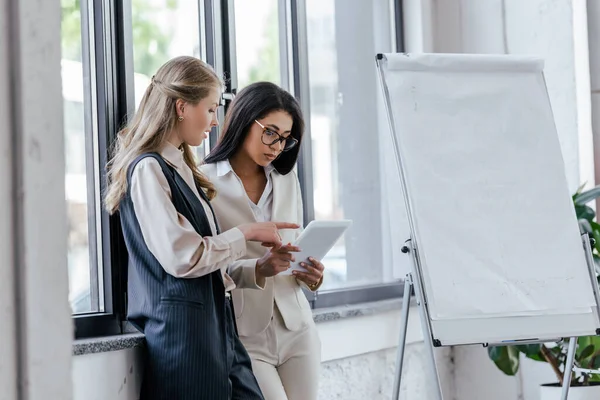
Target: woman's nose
{"x": 278, "y": 145}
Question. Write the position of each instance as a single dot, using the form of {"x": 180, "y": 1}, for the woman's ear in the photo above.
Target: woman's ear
{"x": 179, "y": 107}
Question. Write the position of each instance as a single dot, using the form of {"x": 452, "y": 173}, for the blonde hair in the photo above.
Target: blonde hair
{"x": 185, "y": 78}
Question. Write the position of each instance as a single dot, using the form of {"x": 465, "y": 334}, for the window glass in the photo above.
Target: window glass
{"x": 79, "y": 171}
{"x": 354, "y": 171}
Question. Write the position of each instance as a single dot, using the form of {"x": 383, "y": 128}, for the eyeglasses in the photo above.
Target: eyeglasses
{"x": 270, "y": 137}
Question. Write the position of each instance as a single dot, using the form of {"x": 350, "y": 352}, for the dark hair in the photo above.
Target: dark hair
{"x": 254, "y": 102}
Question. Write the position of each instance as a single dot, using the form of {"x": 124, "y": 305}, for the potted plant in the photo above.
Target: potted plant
{"x": 584, "y": 385}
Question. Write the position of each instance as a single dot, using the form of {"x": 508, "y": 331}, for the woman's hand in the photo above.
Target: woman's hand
{"x": 274, "y": 261}
{"x": 313, "y": 275}
{"x": 265, "y": 232}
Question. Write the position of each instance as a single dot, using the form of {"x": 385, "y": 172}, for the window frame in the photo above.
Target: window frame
{"x": 105, "y": 36}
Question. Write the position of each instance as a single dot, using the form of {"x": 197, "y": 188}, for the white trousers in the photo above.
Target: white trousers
{"x": 286, "y": 363}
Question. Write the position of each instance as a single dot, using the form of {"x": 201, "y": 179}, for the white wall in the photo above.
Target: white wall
{"x": 583, "y": 88}
{"x": 362, "y": 351}
{"x": 478, "y": 378}
{"x": 8, "y": 354}
{"x": 36, "y": 325}
{"x": 115, "y": 375}
{"x": 370, "y": 376}
{"x": 554, "y": 30}
{"x": 358, "y": 363}
{"x": 593, "y": 13}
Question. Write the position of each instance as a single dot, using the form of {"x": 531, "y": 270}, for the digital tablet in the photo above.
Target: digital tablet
{"x": 316, "y": 240}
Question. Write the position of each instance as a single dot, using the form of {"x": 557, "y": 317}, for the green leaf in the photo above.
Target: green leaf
{"x": 582, "y": 343}
{"x": 529, "y": 349}
{"x": 594, "y": 378}
{"x": 586, "y": 352}
{"x": 596, "y": 232}
{"x": 506, "y": 358}
{"x": 587, "y": 196}
{"x": 584, "y": 212}
{"x": 532, "y": 351}
{"x": 594, "y": 340}
{"x": 556, "y": 350}
{"x": 595, "y": 226}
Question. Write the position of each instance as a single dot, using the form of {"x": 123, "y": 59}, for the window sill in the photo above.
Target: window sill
{"x": 355, "y": 310}
{"x": 107, "y": 343}
{"x": 132, "y": 340}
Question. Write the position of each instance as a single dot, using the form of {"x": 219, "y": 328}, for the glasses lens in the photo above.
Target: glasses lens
{"x": 269, "y": 137}
{"x": 289, "y": 144}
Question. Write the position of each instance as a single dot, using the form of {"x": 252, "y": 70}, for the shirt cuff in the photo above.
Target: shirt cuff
{"x": 237, "y": 242}
{"x": 311, "y": 288}
{"x": 249, "y": 274}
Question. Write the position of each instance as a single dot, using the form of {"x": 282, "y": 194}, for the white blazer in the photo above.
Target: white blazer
{"x": 253, "y": 306}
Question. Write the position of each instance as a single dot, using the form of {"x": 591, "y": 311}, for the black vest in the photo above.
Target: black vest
{"x": 184, "y": 320}
{"x": 147, "y": 279}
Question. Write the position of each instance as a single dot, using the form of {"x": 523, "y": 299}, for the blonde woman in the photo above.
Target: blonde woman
{"x": 178, "y": 290}
{"x": 252, "y": 168}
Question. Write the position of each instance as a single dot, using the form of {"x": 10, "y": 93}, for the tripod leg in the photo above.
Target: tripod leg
{"x": 402, "y": 341}
{"x": 430, "y": 355}
{"x": 569, "y": 368}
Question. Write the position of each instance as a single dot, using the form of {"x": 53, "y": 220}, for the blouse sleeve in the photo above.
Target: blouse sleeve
{"x": 170, "y": 237}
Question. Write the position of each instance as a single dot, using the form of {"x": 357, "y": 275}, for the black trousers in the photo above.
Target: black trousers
{"x": 242, "y": 381}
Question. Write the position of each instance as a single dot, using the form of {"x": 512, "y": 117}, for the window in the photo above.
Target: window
{"x": 354, "y": 172}
{"x": 161, "y": 30}
{"x": 310, "y": 47}
{"x": 81, "y": 178}
{"x": 110, "y": 51}
{"x": 257, "y": 41}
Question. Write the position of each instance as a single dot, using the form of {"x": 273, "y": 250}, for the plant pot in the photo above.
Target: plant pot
{"x": 553, "y": 392}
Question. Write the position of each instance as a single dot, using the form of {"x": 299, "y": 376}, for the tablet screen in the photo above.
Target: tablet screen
{"x": 316, "y": 241}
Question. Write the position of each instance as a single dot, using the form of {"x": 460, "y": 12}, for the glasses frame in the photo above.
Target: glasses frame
{"x": 278, "y": 139}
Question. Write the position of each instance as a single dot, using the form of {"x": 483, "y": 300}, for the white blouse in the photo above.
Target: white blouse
{"x": 170, "y": 237}
{"x": 263, "y": 210}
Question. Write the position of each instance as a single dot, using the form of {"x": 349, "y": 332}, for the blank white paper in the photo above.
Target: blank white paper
{"x": 492, "y": 213}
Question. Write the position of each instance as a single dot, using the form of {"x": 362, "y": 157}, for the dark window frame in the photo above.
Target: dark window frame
{"x": 111, "y": 26}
